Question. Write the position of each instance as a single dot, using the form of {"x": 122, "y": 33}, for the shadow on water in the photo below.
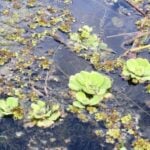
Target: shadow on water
{"x": 71, "y": 134}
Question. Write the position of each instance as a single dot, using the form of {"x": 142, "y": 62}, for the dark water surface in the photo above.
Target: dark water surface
{"x": 71, "y": 133}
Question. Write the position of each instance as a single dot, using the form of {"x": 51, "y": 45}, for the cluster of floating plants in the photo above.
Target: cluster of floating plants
{"x": 10, "y": 107}
{"x": 90, "y": 88}
{"x": 43, "y": 115}
{"x": 28, "y": 75}
{"x": 85, "y": 86}
{"x": 138, "y": 70}
{"x": 40, "y": 113}
{"x": 5, "y": 56}
{"x": 84, "y": 39}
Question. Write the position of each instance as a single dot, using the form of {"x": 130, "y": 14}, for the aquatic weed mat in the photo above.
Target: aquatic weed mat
{"x": 34, "y": 43}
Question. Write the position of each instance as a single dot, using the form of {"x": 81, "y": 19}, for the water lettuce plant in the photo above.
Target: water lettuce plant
{"x": 137, "y": 69}
{"x": 43, "y": 115}
{"x": 85, "y": 39}
{"x": 8, "y": 106}
{"x": 90, "y": 88}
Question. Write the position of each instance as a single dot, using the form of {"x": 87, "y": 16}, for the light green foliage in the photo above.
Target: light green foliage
{"x": 148, "y": 88}
{"x": 7, "y": 106}
{"x": 90, "y": 88}
{"x": 85, "y": 39}
{"x": 44, "y": 115}
{"x": 137, "y": 69}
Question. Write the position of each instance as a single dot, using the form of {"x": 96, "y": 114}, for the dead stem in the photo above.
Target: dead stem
{"x": 137, "y": 49}
{"x": 45, "y": 86}
{"x": 135, "y": 41}
{"x": 135, "y": 7}
{"x": 122, "y": 34}
{"x": 37, "y": 91}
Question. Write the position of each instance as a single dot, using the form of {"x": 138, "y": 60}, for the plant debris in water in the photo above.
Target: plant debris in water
{"x": 28, "y": 73}
{"x": 84, "y": 39}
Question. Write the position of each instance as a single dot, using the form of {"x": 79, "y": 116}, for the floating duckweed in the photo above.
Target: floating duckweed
{"x": 100, "y": 116}
{"x": 148, "y": 88}
{"x": 110, "y": 140}
{"x": 141, "y": 144}
{"x": 111, "y": 65}
{"x": 95, "y": 60}
{"x": 126, "y": 119}
{"x": 83, "y": 117}
{"x": 99, "y": 133}
{"x": 86, "y": 40}
{"x": 5, "y": 12}
{"x": 31, "y": 3}
{"x": 27, "y": 72}
{"x": 136, "y": 1}
{"x": 112, "y": 119}
{"x": 114, "y": 133}
{"x": 65, "y": 27}
{"x": 92, "y": 110}
{"x": 74, "y": 109}
{"x": 44, "y": 63}
{"x": 131, "y": 131}
{"x": 5, "y": 56}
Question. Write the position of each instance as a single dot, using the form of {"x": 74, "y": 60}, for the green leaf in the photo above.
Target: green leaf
{"x": 74, "y": 84}
{"x": 75, "y": 37}
{"x": 45, "y": 123}
{"x": 95, "y": 100}
{"x": 78, "y": 104}
{"x": 91, "y": 84}
{"x": 12, "y": 102}
{"x": 55, "y": 107}
{"x": 81, "y": 97}
{"x": 55, "y": 116}
{"x": 137, "y": 69}
{"x": 3, "y": 105}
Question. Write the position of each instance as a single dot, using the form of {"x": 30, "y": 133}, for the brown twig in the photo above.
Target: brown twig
{"x": 37, "y": 91}
{"x": 135, "y": 7}
{"x": 137, "y": 49}
{"x": 141, "y": 34}
{"x": 45, "y": 86}
{"x": 122, "y": 34}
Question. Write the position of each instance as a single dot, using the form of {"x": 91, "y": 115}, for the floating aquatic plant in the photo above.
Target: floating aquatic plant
{"x": 114, "y": 133}
{"x": 85, "y": 39}
{"x": 43, "y": 115}
{"x": 137, "y": 69}
{"x": 90, "y": 88}
{"x": 10, "y": 106}
{"x": 148, "y": 88}
{"x": 141, "y": 144}
{"x": 5, "y": 56}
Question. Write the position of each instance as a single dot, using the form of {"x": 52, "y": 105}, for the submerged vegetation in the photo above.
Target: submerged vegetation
{"x": 33, "y": 91}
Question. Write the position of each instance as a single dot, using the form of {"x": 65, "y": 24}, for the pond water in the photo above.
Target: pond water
{"x": 107, "y": 20}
